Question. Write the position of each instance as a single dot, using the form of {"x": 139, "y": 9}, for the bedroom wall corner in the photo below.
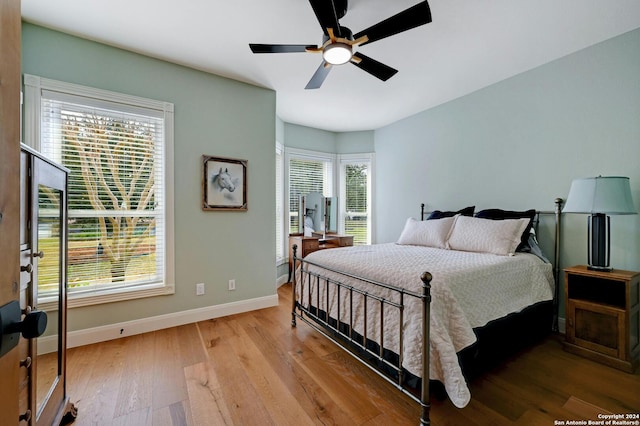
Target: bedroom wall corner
{"x": 211, "y": 113}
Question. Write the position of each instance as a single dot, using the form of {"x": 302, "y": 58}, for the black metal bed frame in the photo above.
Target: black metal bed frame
{"x": 340, "y": 330}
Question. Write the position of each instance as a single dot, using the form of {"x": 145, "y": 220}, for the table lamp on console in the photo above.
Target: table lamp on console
{"x": 599, "y": 197}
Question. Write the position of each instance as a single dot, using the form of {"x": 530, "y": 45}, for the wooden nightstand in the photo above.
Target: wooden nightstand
{"x": 603, "y": 316}
{"x": 308, "y": 245}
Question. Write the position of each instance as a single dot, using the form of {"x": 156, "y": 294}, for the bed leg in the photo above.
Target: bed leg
{"x": 293, "y": 288}
{"x": 425, "y": 400}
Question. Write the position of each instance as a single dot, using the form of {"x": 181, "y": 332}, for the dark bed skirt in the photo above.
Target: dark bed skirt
{"x": 505, "y": 337}
{"x": 497, "y": 341}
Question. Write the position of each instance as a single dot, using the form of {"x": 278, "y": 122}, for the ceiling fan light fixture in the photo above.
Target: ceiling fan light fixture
{"x": 338, "y": 41}
{"x": 337, "y": 53}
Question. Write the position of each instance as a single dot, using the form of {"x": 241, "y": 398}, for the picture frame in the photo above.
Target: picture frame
{"x": 224, "y": 184}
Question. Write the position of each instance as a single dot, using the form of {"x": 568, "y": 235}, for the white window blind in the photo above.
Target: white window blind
{"x": 307, "y": 173}
{"x": 117, "y": 188}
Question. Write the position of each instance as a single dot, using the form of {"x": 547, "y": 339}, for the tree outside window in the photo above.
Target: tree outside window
{"x": 356, "y": 202}
{"x": 112, "y": 167}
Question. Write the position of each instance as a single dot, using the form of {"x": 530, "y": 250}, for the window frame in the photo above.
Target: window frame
{"x": 350, "y": 159}
{"x": 33, "y": 88}
{"x": 281, "y": 236}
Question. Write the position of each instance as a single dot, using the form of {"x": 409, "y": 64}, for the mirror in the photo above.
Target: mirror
{"x": 312, "y": 210}
{"x": 49, "y": 276}
{"x": 331, "y": 208}
{"x": 319, "y": 214}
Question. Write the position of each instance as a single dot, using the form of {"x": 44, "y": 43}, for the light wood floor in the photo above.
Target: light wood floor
{"x": 254, "y": 369}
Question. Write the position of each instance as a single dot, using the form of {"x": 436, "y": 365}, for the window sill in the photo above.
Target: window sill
{"x": 108, "y": 296}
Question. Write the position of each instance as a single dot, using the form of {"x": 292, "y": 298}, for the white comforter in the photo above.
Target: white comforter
{"x": 468, "y": 290}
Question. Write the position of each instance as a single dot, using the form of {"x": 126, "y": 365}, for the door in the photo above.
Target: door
{"x": 49, "y": 248}
{"x": 9, "y": 194}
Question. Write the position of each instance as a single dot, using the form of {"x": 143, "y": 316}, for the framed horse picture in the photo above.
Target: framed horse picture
{"x": 224, "y": 184}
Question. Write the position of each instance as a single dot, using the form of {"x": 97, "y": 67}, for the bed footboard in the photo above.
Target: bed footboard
{"x": 375, "y": 355}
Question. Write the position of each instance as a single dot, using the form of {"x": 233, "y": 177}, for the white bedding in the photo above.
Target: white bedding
{"x": 468, "y": 290}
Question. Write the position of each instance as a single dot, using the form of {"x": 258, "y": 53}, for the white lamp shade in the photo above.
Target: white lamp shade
{"x": 602, "y": 194}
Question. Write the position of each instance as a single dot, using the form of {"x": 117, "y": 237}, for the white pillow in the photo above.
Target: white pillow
{"x": 486, "y": 236}
{"x": 429, "y": 233}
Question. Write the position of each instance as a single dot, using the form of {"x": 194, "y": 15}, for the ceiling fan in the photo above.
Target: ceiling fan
{"x": 339, "y": 41}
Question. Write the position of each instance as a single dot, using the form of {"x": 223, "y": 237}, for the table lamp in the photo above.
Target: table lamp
{"x": 599, "y": 197}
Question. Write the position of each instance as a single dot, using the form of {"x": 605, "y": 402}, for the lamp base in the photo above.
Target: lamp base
{"x": 598, "y": 255}
{"x": 600, "y": 268}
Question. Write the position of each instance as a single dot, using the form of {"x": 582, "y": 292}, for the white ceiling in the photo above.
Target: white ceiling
{"x": 469, "y": 45}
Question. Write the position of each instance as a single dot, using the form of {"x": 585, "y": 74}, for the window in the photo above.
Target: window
{"x": 307, "y": 172}
{"x": 280, "y": 255}
{"x": 355, "y": 197}
{"x": 118, "y": 149}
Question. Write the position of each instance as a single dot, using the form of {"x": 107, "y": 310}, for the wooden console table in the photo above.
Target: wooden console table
{"x": 308, "y": 245}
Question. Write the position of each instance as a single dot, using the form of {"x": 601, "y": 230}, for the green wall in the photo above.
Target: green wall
{"x": 211, "y": 116}
{"x": 302, "y": 137}
{"x": 519, "y": 143}
{"x": 355, "y": 142}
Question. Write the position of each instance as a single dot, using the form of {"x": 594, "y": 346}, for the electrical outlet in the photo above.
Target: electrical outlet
{"x": 199, "y": 289}
{"x": 232, "y": 285}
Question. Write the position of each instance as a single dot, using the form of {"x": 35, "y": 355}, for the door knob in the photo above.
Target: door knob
{"x": 40, "y": 254}
{"x": 33, "y": 325}
{"x": 26, "y": 268}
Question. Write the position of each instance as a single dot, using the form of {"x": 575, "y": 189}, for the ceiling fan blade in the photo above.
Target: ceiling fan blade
{"x": 319, "y": 76}
{"x": 327, "y": 14}
{"x": 280, "y": 48}
{"x": 415, "y": 16}
{"x": 373, "y": 67}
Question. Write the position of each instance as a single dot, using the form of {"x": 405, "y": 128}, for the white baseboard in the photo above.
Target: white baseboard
{"x": 129, "y": 328}
{"x": 561, "y": 326}
{"x": 144, "y": 325}
{"x": 282, "y": 279}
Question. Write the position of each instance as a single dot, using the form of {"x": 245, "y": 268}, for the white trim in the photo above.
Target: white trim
{"x": 145, "y": 325}
{"x": 308, "y": 154}
{"x": 562, "y": 328}
{"x": 97, "y": 94}
{"x": 169, "y": 188}
{"x": 108, "y": 295}
{"x": 282, "y": 279}
{"x": 281, "y": 256}
{"x": 32, "y": 111}
{"x": 356, "y": 158}
{"x": 369, "y": 158}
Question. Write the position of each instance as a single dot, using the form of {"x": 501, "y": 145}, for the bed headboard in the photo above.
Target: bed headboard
{"x": 549, "y": 234}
